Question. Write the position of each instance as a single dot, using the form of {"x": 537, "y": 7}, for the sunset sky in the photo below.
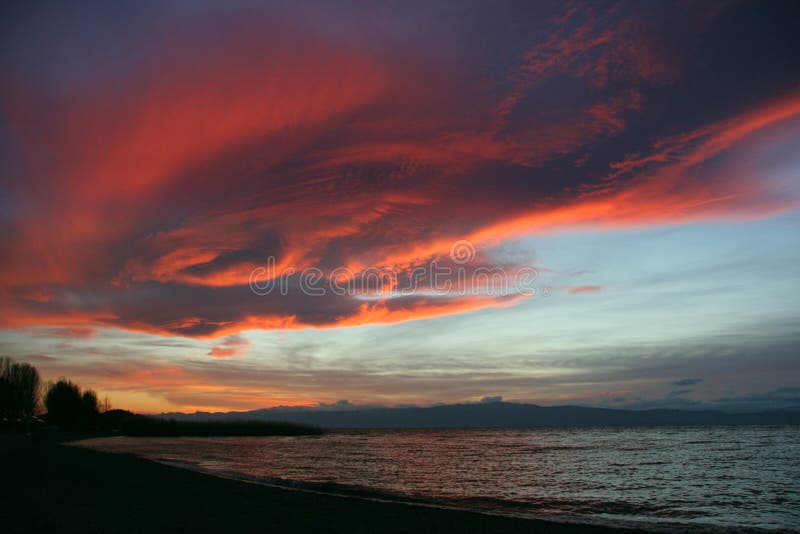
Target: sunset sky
{"x": 642, "y": 158}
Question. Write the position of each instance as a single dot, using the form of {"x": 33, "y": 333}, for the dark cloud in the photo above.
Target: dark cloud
{"x": 687, "y": 382}
{"x": 282, "y": 138}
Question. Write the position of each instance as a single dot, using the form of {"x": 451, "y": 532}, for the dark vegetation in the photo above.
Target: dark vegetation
{"x": 70, "y": 408}
{"x": 140, "y": 425}
{"x": 20, "y": 387}
{"x": 23, "y": 397}
{"x": 131, "y": 424}
{"x": 27, "y": 404}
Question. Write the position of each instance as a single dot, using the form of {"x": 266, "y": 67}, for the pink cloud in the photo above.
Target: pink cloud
{"x": 577, "y": 290}
{"x": 233, "y": 345}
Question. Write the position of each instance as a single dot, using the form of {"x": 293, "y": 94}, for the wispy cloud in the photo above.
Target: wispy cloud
{"x": 140, "y": 195}
{"x": 687, "y": 382}
{"x": 234, "y": 345}
{"x": 582, "y": 289}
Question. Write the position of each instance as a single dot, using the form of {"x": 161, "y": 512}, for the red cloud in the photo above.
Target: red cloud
{"x": 231, "y": 346}
{"x": 147, "y": 204}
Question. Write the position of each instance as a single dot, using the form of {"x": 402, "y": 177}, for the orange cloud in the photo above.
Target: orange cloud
{"x": 231, "y": 346}
{"x": 147, "y": 204}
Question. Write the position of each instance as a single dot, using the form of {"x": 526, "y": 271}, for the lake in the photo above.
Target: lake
{"x": 728, "y": 477}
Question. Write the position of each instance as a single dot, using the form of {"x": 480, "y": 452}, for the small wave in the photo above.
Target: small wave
{"x": 601, "y": 513}
{"x": 605, "y": 486}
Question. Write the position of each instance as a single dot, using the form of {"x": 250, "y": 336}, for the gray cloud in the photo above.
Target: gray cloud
{"x": 687, "y": 382}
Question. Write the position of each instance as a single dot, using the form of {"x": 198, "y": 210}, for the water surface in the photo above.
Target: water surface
{"x": 730, "y": 477}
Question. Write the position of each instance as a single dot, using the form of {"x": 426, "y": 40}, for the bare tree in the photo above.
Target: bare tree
{"x": 6, "y": 388}
{"x": 28, "y": 381}
{"x": 19, "y": 389}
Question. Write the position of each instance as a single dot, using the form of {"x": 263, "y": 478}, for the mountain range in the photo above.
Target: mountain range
{"x": 491, "y": 415}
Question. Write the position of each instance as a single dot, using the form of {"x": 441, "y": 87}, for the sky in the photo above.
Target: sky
{"x": 230, "y": 207}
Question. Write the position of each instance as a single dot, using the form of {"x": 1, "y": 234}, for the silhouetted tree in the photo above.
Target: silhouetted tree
{"x": 29, "y": 382}
{"x": 19, "y": 389}
{"x": 89, "y": 409}
{"x": 64, "y": 404}
{"x": 70, "y": 408}
{"x": 6, "y": 388}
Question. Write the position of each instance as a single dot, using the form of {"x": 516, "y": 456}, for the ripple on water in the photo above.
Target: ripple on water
{"x": 678, "y": 475}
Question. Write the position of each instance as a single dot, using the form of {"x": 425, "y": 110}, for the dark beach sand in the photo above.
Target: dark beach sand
{"x": 50, "y": 487}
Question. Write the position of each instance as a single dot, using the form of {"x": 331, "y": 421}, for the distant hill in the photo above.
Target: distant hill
{"x": 494, "y": 415}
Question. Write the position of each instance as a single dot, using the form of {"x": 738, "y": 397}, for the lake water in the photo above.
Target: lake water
{"x": 730, "y": 477}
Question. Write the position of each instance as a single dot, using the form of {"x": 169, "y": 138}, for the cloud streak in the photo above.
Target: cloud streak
{"x": 230, "y": 346}
{"x": 146, "y": 205}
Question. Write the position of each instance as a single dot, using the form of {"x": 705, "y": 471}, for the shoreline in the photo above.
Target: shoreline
{"x": 549, "y": 523}
{"x": 54, "y": 486}
{"x": 345, "y": 492}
